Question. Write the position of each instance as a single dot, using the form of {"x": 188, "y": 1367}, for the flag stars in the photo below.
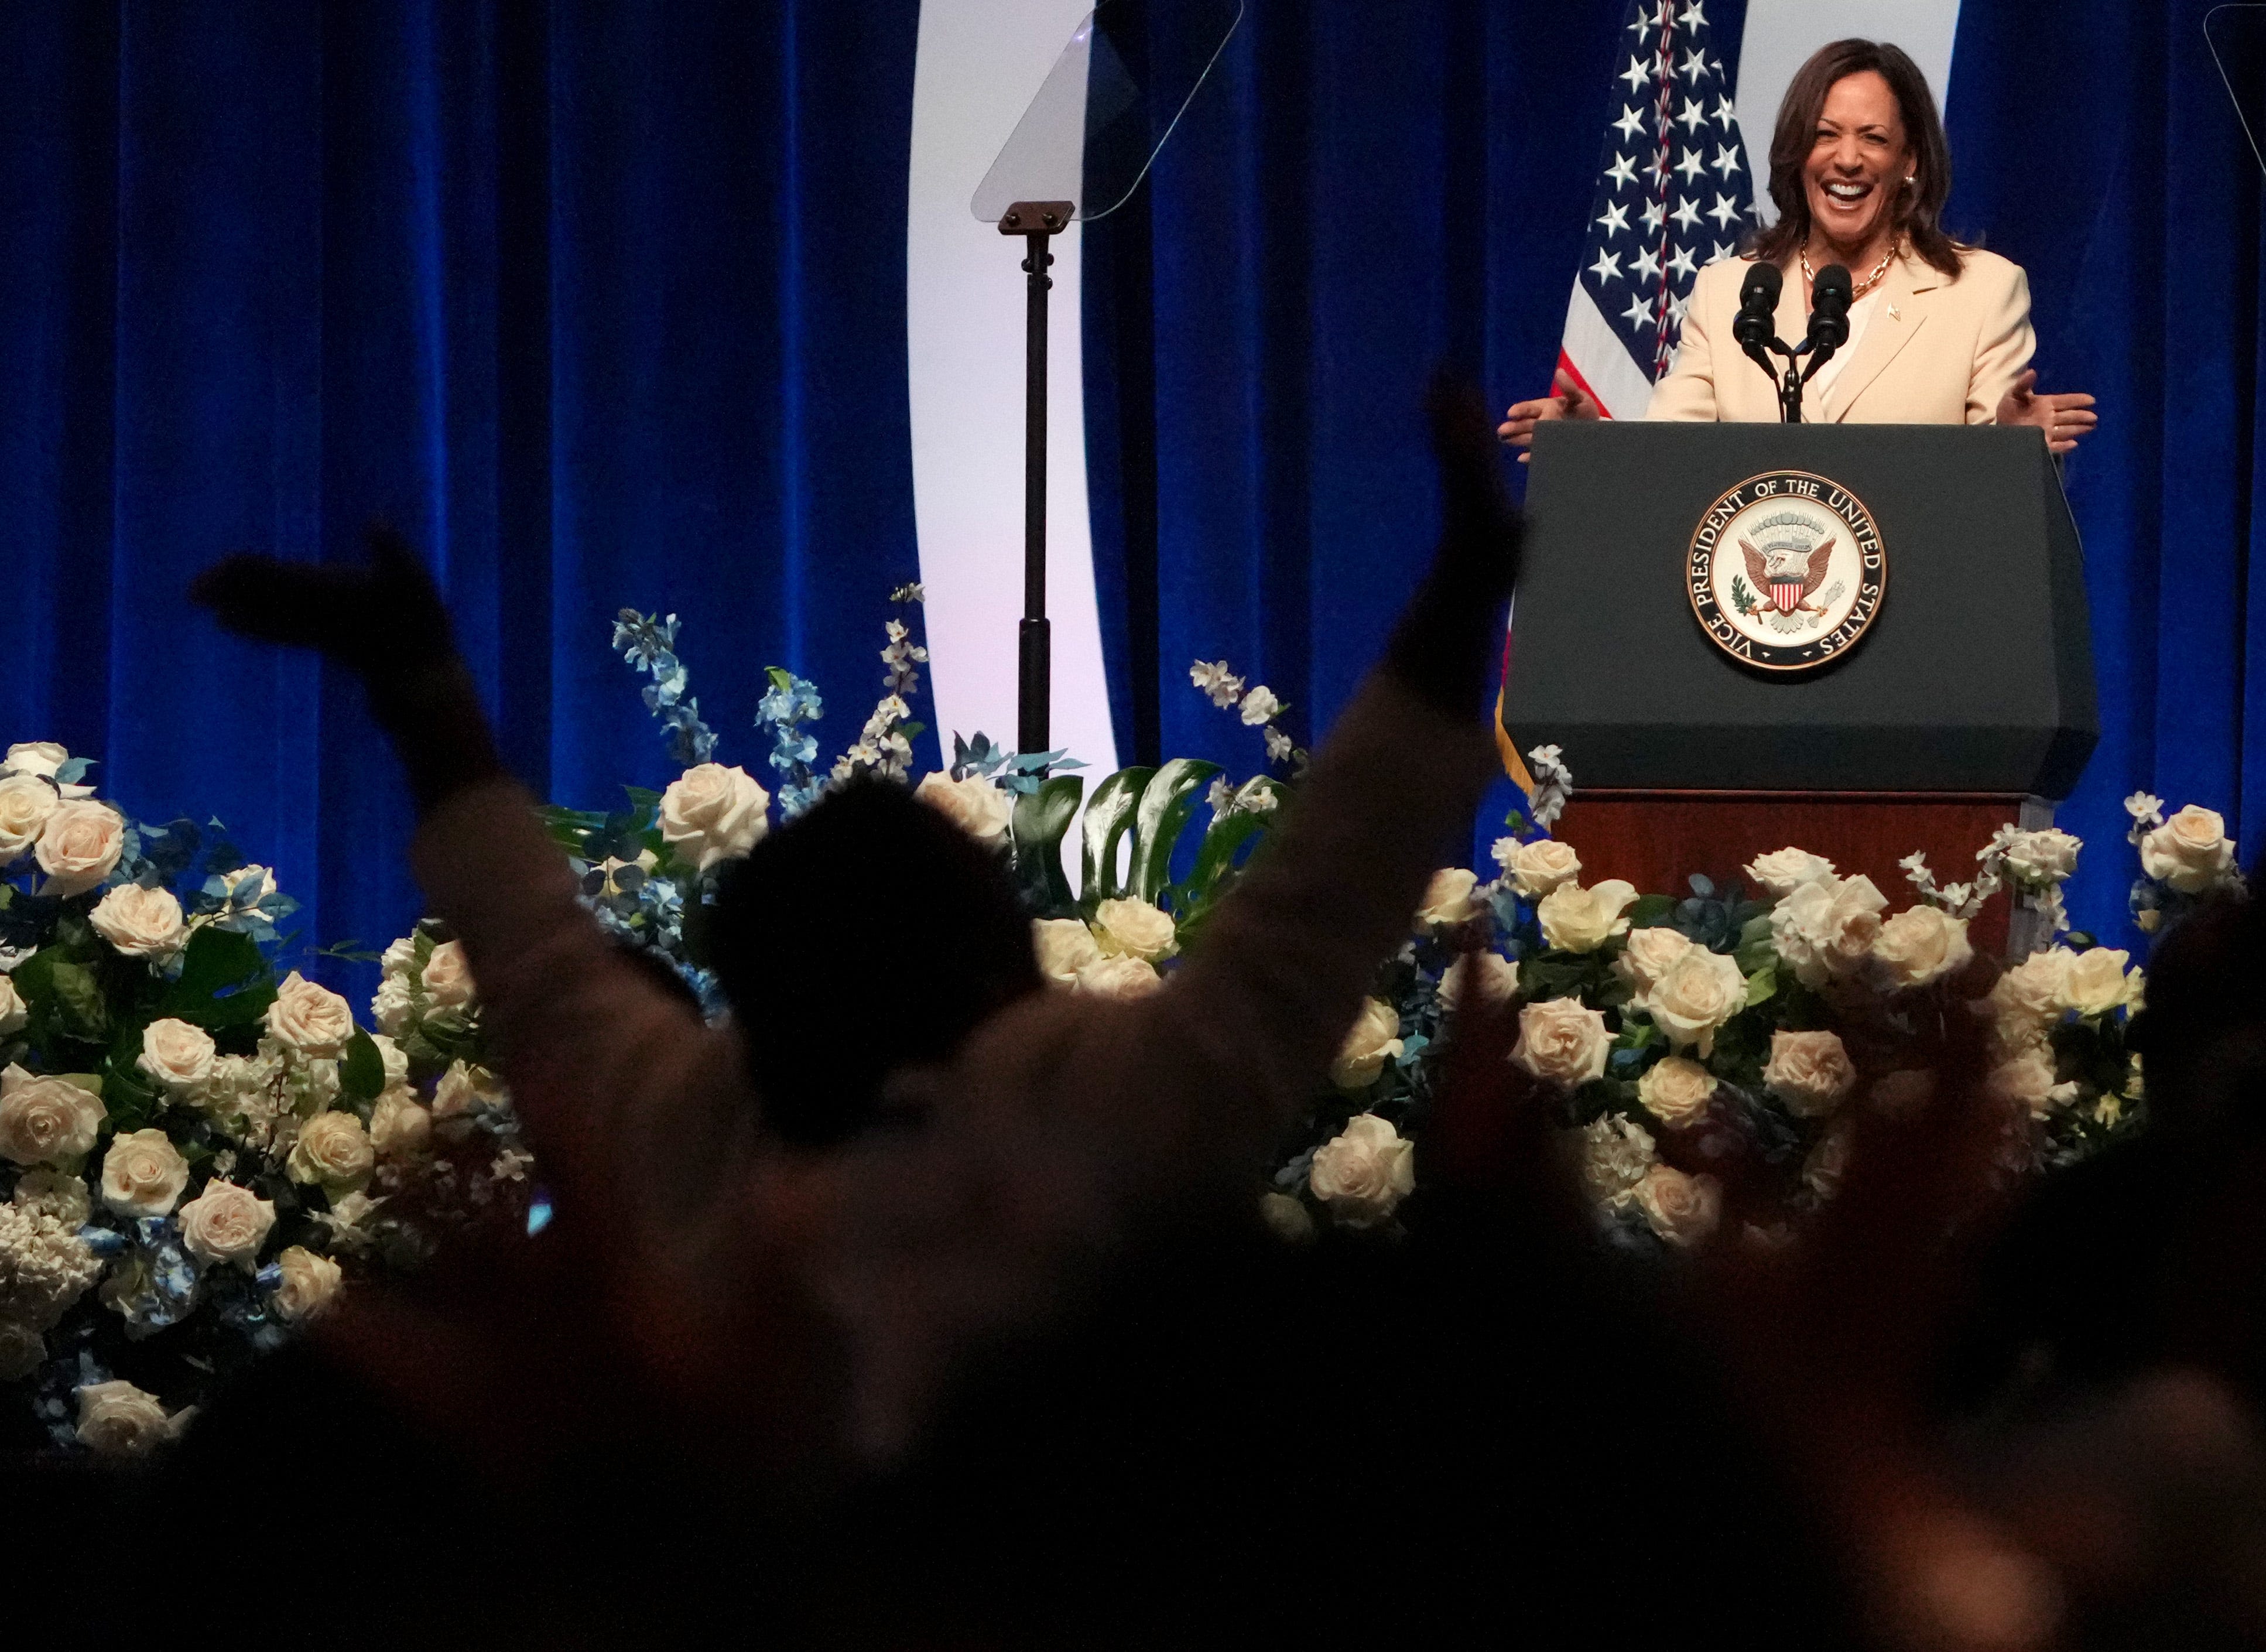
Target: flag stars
{"x": 1723, "y": 212}
{"x": 1678, "y": 304}
{"x": 1693, "y": 17}
{"x": 1695, "y": 65}
{"x": 1721, "y": 253}
{"x": 1694, "y": 115}
{"x": 1686, "y": 213}
{"x": 1647, "y": 267}
{"x": 1640, "y": 312}
{"x": 1608, "y": 268}
{"x": 1622, "y": 172}
{"x": 1693, "y": 165}
{"x": 1630, "y": 124}
{"x": 1727, "y": 114}
{"x": 1656, "y": 214}
{"x": 1636, "y": 74}
{"x": 1727, "y": 160}
{"x": 1683, "y": 268}
{"x": 1616, "y": 219}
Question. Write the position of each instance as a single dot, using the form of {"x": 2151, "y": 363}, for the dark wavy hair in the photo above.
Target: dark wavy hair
{"x": 1918, "y": 210}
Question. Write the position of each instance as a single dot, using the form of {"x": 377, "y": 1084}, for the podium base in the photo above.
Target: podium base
{"x": 1656, "y": 840}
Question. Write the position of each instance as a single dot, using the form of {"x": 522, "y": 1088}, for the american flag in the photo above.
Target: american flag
{"x": 1673, "y": 195}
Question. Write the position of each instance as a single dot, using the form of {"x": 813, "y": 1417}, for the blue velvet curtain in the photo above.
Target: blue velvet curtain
{"x": 603, "y": 304}
{"x": 1373, "y": 187}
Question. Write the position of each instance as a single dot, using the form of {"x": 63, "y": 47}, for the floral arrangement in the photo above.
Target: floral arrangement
{"x": 194, "y": 1152}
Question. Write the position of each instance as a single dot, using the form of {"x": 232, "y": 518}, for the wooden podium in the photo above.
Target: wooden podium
{"x": 1968, "y": 703}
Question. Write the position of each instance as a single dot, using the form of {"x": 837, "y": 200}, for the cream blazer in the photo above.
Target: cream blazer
{"x": 1937, "y": 351}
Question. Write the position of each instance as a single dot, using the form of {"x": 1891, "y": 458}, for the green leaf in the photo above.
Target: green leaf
{"x": 362, "y": 1073}
{"x": 781, "y": 678}
{"x": 1217, "y": 854}
{"x": 79, "y": 1001}
{"x": 1041, "y": 819}
{"x": 225, "y": 980}
{"x": 1108, "y": 816}
{"x": 1762, "y": 987}
{"x": 1166, "y": 803}
{"x": 1650, "y": 911}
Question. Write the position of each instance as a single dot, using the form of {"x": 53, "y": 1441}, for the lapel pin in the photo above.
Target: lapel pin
{"x": 1895, "y": 314}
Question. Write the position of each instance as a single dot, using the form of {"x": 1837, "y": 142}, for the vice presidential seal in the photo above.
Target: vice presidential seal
{"x": 1786, "y": 571}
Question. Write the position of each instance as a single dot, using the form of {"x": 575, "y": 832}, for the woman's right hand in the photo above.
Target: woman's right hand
{"x": 1567, "y": 400}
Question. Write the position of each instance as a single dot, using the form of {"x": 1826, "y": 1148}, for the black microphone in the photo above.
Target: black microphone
{"x": 1829, "y": 316}
{"x": 1758, "y": 322}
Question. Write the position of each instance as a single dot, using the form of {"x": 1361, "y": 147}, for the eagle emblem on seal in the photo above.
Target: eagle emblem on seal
{"x": 1789, "y": 575}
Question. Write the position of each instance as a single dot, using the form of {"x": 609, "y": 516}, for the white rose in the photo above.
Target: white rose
{"x": 1480, "y": 977}
{"x": 1823, "y": 1171}
{"x": 310, "y": 1018}
{"x": 462, "y": 1088}
{"x": 711, "y": 812}
{"x": 2033, "y": 990}
{"x": 1648, "y": 955}
{"x": 2027, "y": 1080}
{"x": 57, "y": 1193}
{"x": 400, "y": 957}
{"x": 1682, "y": 1209}
{"x": 260, "y": 879}
{"x": 2043, "y": 856}
{"x": 1363, "y": 1173}
{"x": 1448, "y": 899}
{"x": 1286, "y": 1218}
{"x": 22, "y": 1350}
{"x": 1063, "y": 947}
{"x": 2189, "y": 851}
{"x": 310, "y": 1283}
{"x": 1826, "y": 928}
{"x": 390, "y": 1007}
{"x": 400, "y": 1127}
{"x": 41, "y": 757}
{"x": 1575, "y": 919}
{"x": 79, "y": 846}
{"x": 140, "y": 923}
{"x": 1561, "y": 1042}
{"x": 26, "y": 802}
{"x": 1121, "y": 977}
{"x": 1133, "y": 929}
{"x": 1809, "y": 1072}
{"x": 390, "y": 1054}
{"x": 47, "y": 1120}
{"x": 1617, "y": 1153}
{"x": 1546, "y": 864}
{"x": 334, "y": 1150}
{"x": 226, "y": 1223}
{"x": 15, "y": 1014}
{"x": 117, "y": 1420}
{"x": 1699, "y": 992}
{"x": 1373, "y": 1040}
{"x": 2094, "y": 983}
{"x": 143, "y": 1174}
{"x": 1787, "y": 870}
{"x": 1921, "y": 945}
{"x": 974, "y": 804}
{"x": 1676, "y": 1091}
{"x": 447, "y": 977}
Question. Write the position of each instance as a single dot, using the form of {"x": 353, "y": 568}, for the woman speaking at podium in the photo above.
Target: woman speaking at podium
{"x": 1938, "y": 333}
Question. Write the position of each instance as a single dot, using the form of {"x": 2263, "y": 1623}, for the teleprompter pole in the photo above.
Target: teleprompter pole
{"x": 1038, "y": 223}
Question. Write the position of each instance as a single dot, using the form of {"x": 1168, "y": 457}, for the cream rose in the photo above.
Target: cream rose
{"x": 448, "y": 977}
{"x": 226, "y": 1223}
{"x": 2094, "y": 983}
{"x": 2189, "y": 851}
{"x": 1698, "y": 993}
{"x": 1809, "y": 1072}
{"x": 1363, "y": 1174}
{"x": 140, "y": 923}
{"x": 711, "y": 812}
{"x": 47, "y": 1120}
{"x": 1286, "y": 1217}
{"x": 1575, "y": 919}
{"x": 1484, "y": 977}
{"x": 310, "y": 1285}
{"x": 1821, "y": 1173}
{"x": 390, "y": 1056}
{"x": 2043, "y": 856}
{"x": 1648, "y": 955}
{"x": 1448, "y": 899}
{"x": 1920, "y": 945}
{"x": 117, "y": 1420}
{"x": 462, "y": 1088}
{"x": 1683, "y": 1210}
{"x": 1676, "y": 1091}
{"x": 392, "y": 1007}
{"x": 974, "y": 804}
{"x": 1063, "y": 947}
{"x": 333, "y": 1150}
{"x": 2033, "y": 990}
{"x": 15, "y": 1014}
{"x": 1615, "y": 1154}
{"x": 79, "y": 846}
{"x": 26, "y": 802}
{"x": 1121, "y": 978}
{"x": 1786, "y": 870}
{"x": 1537, "y": 868}
{"x": 1133, "y": 929}
{"x": 2026, "y": 1081}
{"x": 143, "y": 1174}
{"x": 1373, "y": 1040}
{"x": 41, "y": 757}
{"x": 310, "y": 1018}
{"x": 1561, "y": 1042}
{"x": 400, "y": 1127}
{"x": 1826, "y": 927}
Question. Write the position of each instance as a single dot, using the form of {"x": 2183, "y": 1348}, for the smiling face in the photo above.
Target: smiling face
{"x": 1857, "y": 167}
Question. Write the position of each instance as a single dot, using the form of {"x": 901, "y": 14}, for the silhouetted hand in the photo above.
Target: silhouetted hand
{"x": 2063, "y": 418}
{"x": 1567, "y": 400}
{"x": 385, "y": 620}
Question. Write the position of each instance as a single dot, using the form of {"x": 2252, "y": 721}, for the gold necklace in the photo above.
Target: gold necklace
{"x": 1862, "y": 287}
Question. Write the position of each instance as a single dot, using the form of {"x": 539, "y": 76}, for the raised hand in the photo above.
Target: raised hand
{"x": 381, "y": 619}
{"x": 2065, "y": 418}
{"x": 1567, "y": 400}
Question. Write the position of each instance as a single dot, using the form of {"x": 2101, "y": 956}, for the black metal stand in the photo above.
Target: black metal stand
{"x": 1038, "y": 223}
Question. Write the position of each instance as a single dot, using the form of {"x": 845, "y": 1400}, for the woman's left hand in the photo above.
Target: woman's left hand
{"x": 2063, "y": 418}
